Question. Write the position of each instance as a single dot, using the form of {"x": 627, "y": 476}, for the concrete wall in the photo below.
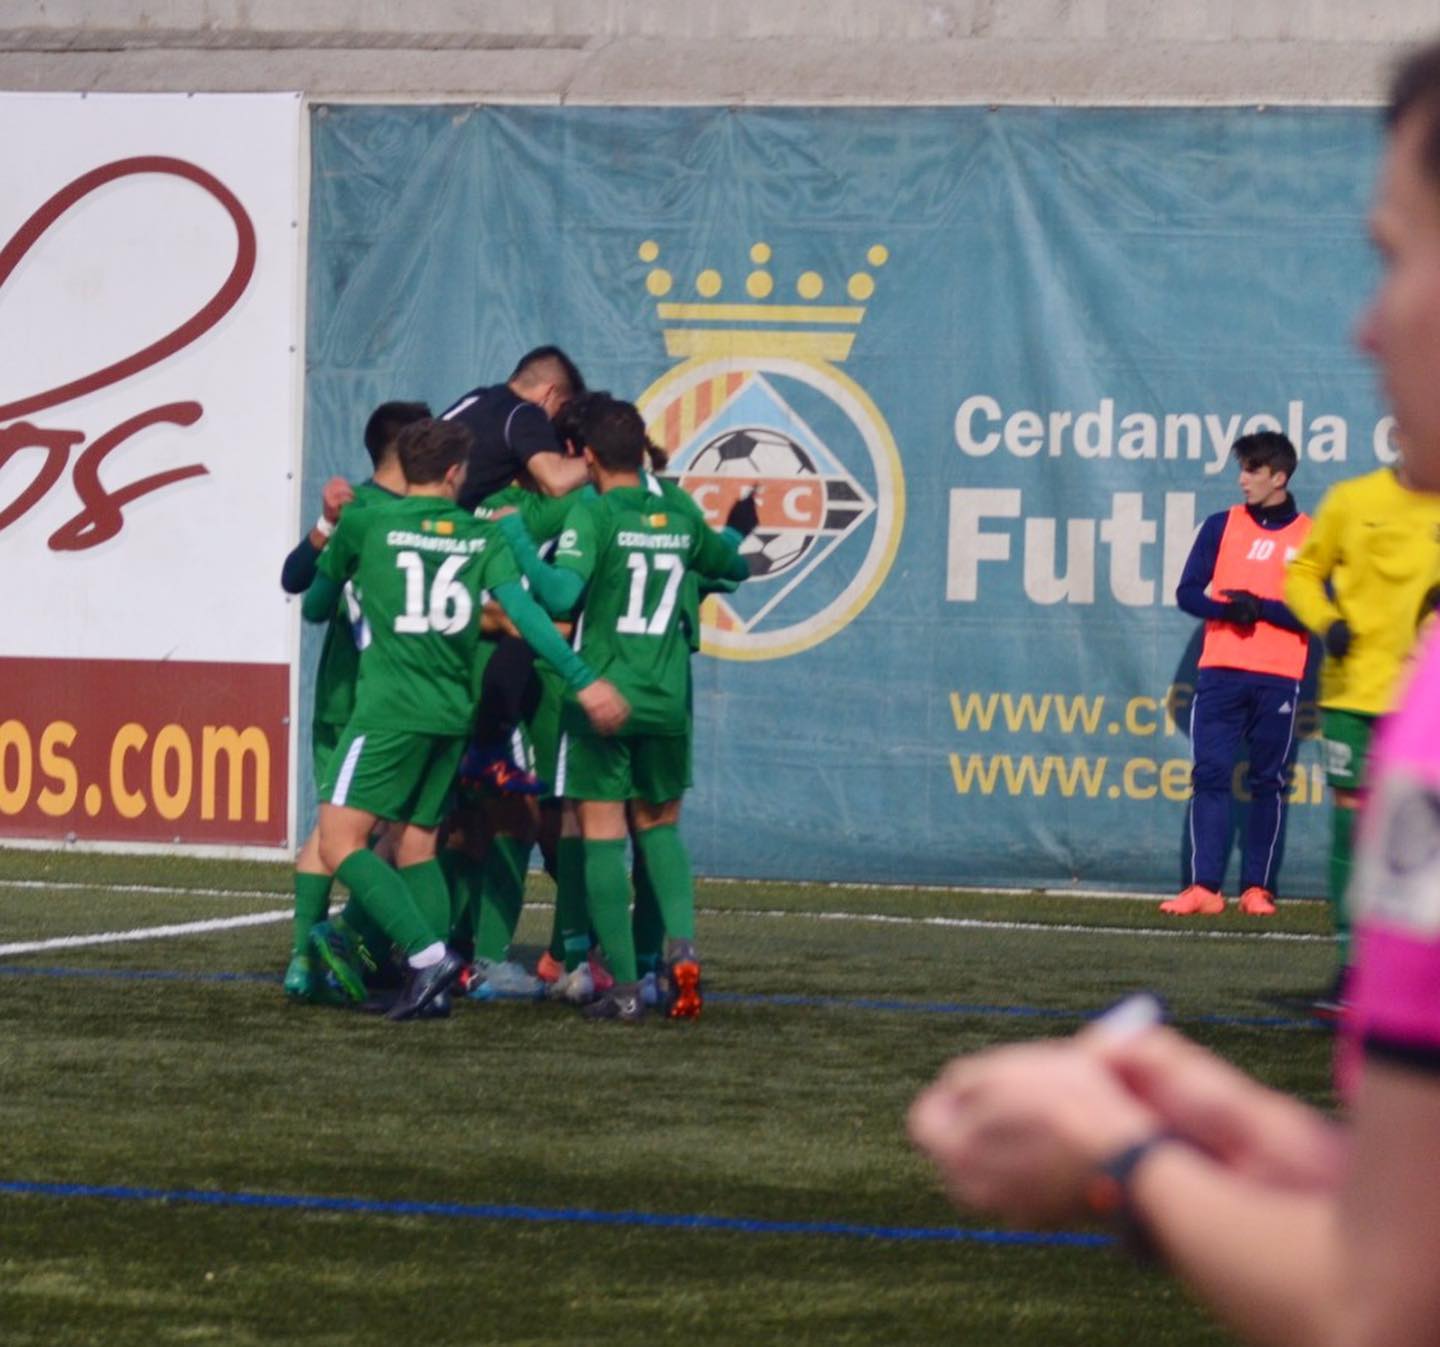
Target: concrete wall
{"x": 725, "y": 51}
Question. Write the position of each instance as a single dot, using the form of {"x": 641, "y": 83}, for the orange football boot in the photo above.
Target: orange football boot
{"x": 1196, "y": 900}
{"x": 1257, "y": 902}
{"x": 685, "y": 981}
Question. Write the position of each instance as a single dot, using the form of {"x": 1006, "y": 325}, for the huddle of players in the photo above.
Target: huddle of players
{"x": 402, "y": 573}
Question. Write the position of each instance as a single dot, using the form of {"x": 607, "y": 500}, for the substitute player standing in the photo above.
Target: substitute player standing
{"x": 421, "y": 565}
{"x": 1248, "y": 688}
{"x": 623, "y": 558}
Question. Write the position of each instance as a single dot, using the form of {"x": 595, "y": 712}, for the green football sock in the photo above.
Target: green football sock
{"x": 607, "y": 896}
{"x": 646, "y": 923}
{"x": 1342, "y": 831}
{"x": 428, "y": 888}
{"x": 502, "y": 895}
{"x": 386, "y": 897}
{"x": 312, "y": 902}
{"x": 668, "y": 864}
{"x": 463, "y": 877}
{"x": 572, "y": 921}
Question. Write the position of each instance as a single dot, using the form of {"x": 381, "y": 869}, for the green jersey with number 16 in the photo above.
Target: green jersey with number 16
{"x": 634, "y": 550}
{"x": 421, "y": 565}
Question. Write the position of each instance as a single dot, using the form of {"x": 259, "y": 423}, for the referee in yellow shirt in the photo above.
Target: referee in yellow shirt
{"x": 1358, "y": 583}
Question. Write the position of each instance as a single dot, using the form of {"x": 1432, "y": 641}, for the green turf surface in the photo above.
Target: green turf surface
{"x": 765, "y": 1110}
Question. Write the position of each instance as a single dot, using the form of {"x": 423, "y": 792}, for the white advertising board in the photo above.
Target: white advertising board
{"x": 150, "y": 386}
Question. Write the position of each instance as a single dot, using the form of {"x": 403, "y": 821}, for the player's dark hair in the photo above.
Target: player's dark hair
{"x": 569, "y": 421}
{"x": 549, "y": 364}
{"x": 614, "y": 432}
{"x": 430, "y": 448}
{"x": 1266, "y": 449}
{"x": 1416, "y": 88}
{"x": 385, "y": 424}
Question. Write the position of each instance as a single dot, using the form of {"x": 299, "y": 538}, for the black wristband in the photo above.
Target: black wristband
{"x": 1108, "y": 1195}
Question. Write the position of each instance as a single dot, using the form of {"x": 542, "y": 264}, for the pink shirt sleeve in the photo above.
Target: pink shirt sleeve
{"x": 1394, "y": 897}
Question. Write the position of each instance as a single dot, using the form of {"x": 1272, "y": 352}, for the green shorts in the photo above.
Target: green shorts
{"x": 323, "y": 739}
{"x": 1345, "y": 747}
{"x": 650, "y": 767}
{"x": 394, "y": 774}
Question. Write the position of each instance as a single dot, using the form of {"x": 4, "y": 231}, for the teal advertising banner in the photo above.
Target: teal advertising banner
{"x": 985, "y": 366}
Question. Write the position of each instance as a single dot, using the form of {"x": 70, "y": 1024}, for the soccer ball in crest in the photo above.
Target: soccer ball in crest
{"x": 764, "y": 457}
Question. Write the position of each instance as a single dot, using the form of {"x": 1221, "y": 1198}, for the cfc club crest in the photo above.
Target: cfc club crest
{"x": 758, "y": 403}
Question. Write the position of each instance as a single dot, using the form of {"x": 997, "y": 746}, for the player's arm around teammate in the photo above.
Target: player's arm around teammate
{"x": 623, "y": 557}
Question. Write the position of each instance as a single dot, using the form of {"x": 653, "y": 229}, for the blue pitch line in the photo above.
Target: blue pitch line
{"x": 871, "y": 1003}
{"x": 465, "y": 1211}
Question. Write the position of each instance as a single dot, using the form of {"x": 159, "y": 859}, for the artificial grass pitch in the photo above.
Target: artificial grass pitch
{"x": 783, "y": 1105}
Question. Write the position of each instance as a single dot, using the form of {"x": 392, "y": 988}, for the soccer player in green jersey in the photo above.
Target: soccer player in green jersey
{"x": 421, "y": 565}
{"x": 339, "y": 665}
{"x": 622, "y": 560}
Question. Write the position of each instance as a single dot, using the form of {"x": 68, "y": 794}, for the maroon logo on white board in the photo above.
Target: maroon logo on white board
{"x": 100, "y": 516}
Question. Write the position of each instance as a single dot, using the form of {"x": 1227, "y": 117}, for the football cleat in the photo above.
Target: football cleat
{"x": 549, "y": 970}
{"x": 686, "y": 999}
{"x": 1197, "y": 899}
{"x": 1257, "y": 902}
{"x": 424, "y": 985}
{"x": 577, "y": 986}
{"x": 297, "y": 978}
{"x": 492, "y": 980}
{"x": 652, "y": 990}
{"x": 490, "y": 767}
{"x": 619, "y": 1003}
{"x": 332, "y": 942}
{"x": 599, "y": 974}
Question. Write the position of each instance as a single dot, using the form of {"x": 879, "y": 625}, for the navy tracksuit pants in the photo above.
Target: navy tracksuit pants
{"x": 1235, "y": 710}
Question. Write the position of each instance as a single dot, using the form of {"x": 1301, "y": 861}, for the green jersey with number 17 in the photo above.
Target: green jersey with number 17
{"x": 421, "y": 565}
{"x": 634, "y": 550}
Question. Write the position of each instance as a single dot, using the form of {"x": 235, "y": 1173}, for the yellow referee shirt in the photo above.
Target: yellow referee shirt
{"x": 1378, "y": 546}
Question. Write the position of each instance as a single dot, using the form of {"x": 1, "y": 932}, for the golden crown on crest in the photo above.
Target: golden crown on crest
{"x": 764, "y": 322}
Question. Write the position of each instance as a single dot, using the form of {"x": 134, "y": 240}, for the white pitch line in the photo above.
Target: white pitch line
{"x": 143, "y": 933}
{"x": 872, "y": 918}
{"x": 985, "y": 924}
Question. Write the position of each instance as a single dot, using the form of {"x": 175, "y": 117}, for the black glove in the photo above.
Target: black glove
{"x": 1337, "y": 639}
{"x": 743, "y": 516}
{"x": 1243, "y": 608}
